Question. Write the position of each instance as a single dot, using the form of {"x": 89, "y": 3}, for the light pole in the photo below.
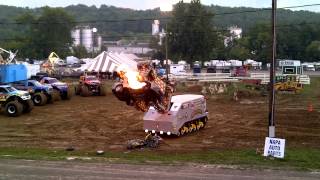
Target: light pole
{"x": 167, "y": 67}
{"x": 272, "y": 73}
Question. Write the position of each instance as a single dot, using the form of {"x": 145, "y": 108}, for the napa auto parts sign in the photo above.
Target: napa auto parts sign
{"x": 274, "y": 147}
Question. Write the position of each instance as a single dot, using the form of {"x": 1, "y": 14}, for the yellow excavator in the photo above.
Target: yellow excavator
{"x": 49, "y": 65}
{"x": 288, "y": 83}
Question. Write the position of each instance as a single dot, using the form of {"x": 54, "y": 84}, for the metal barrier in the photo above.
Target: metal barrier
{"x": 226, "y": 77}
{"x": 265, "y": 78}
{"x": 303, "y": 79}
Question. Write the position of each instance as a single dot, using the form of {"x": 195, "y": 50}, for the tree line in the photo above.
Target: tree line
{"x": 195, "y": 32}
{"x": 193, "y": 36}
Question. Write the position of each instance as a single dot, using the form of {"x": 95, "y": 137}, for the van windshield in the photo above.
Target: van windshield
{"x": 175, "y": 107}
{"x": 36, "y": 83}
{"x": 51, "y": 81}
{"x": 11, "y": 89}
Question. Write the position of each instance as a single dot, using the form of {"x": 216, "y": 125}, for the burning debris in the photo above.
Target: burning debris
{"x": 165, "y": 114}
{"x": 143, "y": 88}
{"x": 150, "y": 141}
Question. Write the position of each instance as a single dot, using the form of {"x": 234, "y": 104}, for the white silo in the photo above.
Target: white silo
{"x": 75, "y": 34}
{"x": 87, "y": 38}
{"x": 155, "y": 27}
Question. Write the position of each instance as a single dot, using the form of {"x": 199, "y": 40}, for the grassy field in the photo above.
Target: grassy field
{"x": 298, "y": 159}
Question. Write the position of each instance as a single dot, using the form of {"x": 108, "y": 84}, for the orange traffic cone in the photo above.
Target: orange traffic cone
{"x": 310, "y": 108}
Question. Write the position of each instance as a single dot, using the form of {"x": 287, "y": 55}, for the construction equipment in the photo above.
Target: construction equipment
{"x": 50, "y": 65}
{"x": 288, "y": 83}
{"x": 11, "y": 56}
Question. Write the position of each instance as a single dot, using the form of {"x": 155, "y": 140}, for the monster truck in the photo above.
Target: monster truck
{"x": 90, "y": 85}
{"x": 41, "y": 94}
{"x": 59, "y": 87}
{"x": 15, "y": 102}
{"x": 156, "y": 91}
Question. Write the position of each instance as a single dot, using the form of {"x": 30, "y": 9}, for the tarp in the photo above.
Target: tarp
{"x": 110, "y": 62}
{"x": 32, "y": 69}
{"x": 72, "y": 60}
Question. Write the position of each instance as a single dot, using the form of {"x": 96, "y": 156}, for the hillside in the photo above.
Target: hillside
{"x": 113, "y": 21}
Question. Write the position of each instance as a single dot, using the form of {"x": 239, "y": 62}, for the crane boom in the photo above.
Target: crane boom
{"x": 11, "y": 57}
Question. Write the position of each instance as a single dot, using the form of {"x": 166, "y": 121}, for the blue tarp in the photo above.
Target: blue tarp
{"x": 12, "y": 72}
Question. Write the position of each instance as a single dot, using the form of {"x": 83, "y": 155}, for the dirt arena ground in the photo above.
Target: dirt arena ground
{"x": 91, "y": 123}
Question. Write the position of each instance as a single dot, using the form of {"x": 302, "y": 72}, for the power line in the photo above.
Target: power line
{"x": 299, "y": 6}
{"x": 150, "y": 36}
{"x": 153, "y": 18}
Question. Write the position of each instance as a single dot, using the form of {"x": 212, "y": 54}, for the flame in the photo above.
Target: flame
{"x": 133, "y": 80}
{"x": 132, "y": 77}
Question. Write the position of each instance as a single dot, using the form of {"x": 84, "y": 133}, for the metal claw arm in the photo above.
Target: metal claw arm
{"x": 11, "y": 55}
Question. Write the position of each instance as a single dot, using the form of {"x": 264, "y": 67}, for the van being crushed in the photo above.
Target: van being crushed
{"x": 188, "y": 113}
{"x": 165, "y": 114}
{"x": 143, "y": 88}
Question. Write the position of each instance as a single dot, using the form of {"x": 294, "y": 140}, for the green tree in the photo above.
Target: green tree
{"x": 238, "y": 49}
{"x": 52, "y": 32}
{"x": 24, "y": 38}
{"x": 80, "y": 52}
{"x": 49, "y": 32}
{"x": 158, "y": 50}
{"x": 260, "y": 42}
{"x": 313, "y": 51}
{"x": 191, "y": 34}
{"x": 294, "y": 40}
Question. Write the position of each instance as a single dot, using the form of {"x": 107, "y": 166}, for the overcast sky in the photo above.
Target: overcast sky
{"x": 163, "y": 4}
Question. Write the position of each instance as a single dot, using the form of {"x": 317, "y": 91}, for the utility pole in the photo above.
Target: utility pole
{"x": 272, "y": 73}
{"x": 167, "y": 66}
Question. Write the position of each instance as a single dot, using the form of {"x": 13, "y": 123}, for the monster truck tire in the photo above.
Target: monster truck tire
{"x": 50, "y": 99}
{"x": 119, "y": 91}
{"x": 28, "y": 106}
{"x": 85, "y": 91}
{"x": 39, "y": 99}
{"x": 56, "y": 95}
{"x": 102, "y": 90}
{"x": 14, "y": 108}
{"x": 70, "y": 93}
{"x": 77, "y": 89}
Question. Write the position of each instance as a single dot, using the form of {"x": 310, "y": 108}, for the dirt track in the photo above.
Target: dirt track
{"x": 33, "y": 170}
{"x": 92, "y": 123}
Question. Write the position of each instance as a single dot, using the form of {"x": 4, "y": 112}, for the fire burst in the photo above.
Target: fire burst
{"x": 130, "y": 77}
{"x": 133, "y": 80}
{"x": 142, "y": 88}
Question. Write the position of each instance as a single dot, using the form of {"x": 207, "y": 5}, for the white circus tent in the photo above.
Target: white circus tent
{"x": 111, "y": 61}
